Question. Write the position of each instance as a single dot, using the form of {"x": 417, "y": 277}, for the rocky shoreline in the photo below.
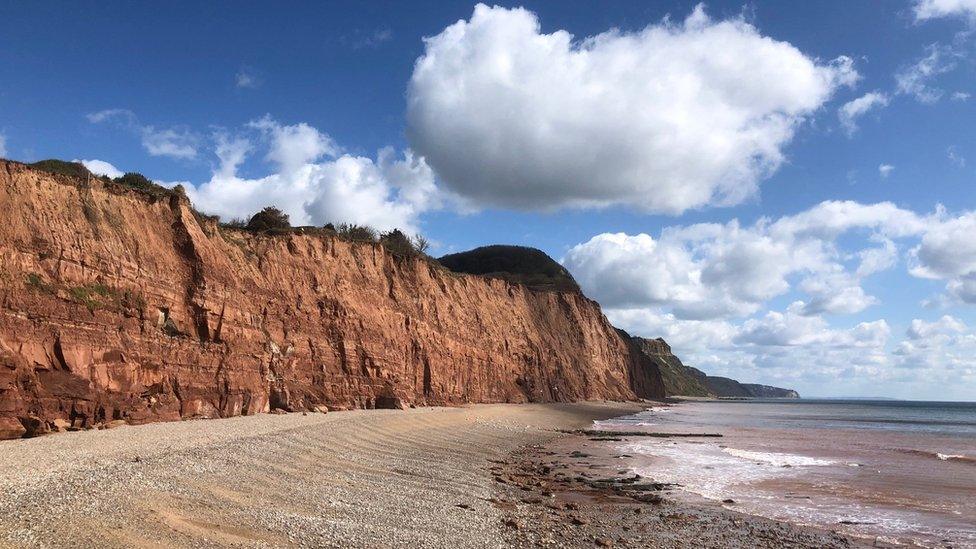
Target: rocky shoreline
{"x": 576, "y": 492}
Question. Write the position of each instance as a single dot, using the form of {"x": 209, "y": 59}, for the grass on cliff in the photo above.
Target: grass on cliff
{"x": 61, "y": 167}
{"x": 36, "y": 283}
{"x": 95, "y": 296}
{"x": 129, "y": 180}
{"x": 273, "y": 221}
{"x": 92, "y": 296}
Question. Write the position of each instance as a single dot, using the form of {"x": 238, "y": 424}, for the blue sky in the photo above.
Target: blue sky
{"x": 626, "y": 150}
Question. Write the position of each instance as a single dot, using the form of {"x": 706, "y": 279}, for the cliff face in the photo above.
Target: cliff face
{"x": 681, "y": 380}
{"x": 118, "y": 305}
{"x": 676, "y": 378}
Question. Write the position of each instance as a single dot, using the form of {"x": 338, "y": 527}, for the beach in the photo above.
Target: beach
{"x": 425, "y": 477}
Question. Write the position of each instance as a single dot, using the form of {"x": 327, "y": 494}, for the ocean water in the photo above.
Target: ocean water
{"x": 898, "y": 471}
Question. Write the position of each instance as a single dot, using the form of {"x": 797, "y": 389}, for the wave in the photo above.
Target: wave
{"x": 658, "y": 409}
{"x": 940, "y": 456}
{"x": 891, "y": 421}
{"x": 777, "y": 459}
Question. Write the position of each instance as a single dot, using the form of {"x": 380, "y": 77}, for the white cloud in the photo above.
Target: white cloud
{"x": 794, "y": 328}
{"x": 101, "y": 167}
{"x": 175, "y": 142}
{"x": 694, "y": 336}
{"x": 915, "y": 79}
{"x": 715, "y": 270}
{"x": 884, "y": 170}
{"x": 676, "y": 116}
{"x": 836, "y": 292}
{"x": 656, "y": 287}
{"x": 246, "y": 78}
{"x": 231, "y": 151}
{"x": 875, "y": 260}
{"x": 960, "y": 96}
{"x": 930, "y": 9}
{"x": 370, "y": 40}
{"x": 934, "y": 359}
{"x": 788, "y": 348}
{"x": 947, "y": 325}
{"x": 941, "y": 354}
{"x": 315, "y": 184}
{"x": 171, "y": 142}
{"x": 947, "y": 251}
{"x": 295, "y": 146}
{"x": 952, "y": 153}
{"x": 856, "y": 108}
{"x": 108, "y": 114}
{"x": 691, "y": 283}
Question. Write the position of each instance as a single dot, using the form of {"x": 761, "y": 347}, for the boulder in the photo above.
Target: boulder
{"x": 10, "y": 428}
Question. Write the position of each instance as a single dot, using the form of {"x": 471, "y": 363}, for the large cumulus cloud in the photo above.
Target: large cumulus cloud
{"x": 676, "y": 116}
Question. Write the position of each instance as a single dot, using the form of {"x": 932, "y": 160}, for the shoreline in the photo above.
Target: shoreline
{"x": 427, "y": 477}
{"x": 578, "y": 491}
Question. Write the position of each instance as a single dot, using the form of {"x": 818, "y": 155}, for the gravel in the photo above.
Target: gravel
{"x": 366, "y": 478}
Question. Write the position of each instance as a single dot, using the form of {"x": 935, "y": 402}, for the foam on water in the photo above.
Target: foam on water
{"x": 777, "y": 459}
{"x": 786, "y": 462}
{"x": 714, "y": 472}
{"x": 718, "y": 473}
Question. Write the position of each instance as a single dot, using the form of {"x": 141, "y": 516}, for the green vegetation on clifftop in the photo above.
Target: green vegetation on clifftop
{"x": 517, "y": 264}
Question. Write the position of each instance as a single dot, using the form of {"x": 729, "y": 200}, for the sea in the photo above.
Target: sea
{"x": 898, "y": 472}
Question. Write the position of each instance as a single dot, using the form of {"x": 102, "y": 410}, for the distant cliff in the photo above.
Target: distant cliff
{"x": 677, "y": 378}
{"x": 681, "y": 380}
{"x": 766, "y": 391}
{"x": 123, "y": 304}
{"x": 517, "y": 264}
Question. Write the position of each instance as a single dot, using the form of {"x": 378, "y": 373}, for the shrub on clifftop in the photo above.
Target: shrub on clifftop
{"x": 356, "y": 233}
{"x": 397, "y": 243}
{"x": 53, "y": 165}
{"x": 137, "y": 181}
{"x": 269, "y": 219}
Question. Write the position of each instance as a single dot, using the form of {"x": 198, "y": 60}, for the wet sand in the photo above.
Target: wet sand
{"x": 578, "y": 492}
{"x": 433, "y": 477}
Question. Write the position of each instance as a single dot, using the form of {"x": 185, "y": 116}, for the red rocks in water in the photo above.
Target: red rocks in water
{"x": 126, "y": 305}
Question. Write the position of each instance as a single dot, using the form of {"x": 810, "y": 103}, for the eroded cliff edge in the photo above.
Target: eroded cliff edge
{"x": 116, "y": 304}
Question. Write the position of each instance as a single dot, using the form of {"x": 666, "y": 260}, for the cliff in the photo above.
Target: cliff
{"x": 678, "y": 379}
{"x": 767, "y": 391}
{"x": 681, "y": 380}
{"x": 120, "y": 304}
{"x": 725, "y": 387}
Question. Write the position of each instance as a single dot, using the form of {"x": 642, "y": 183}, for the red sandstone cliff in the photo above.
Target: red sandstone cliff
{"x": 119, "y": 305}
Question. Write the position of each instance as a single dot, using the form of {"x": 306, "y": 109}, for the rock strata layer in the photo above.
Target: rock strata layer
{"x": 117, "y": 304}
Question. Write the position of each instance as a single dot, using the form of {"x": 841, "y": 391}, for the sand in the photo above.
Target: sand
{"x": 426, "y": 477}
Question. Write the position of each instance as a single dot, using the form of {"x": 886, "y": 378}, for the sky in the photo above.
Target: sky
{"x": 783, "y": 191}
